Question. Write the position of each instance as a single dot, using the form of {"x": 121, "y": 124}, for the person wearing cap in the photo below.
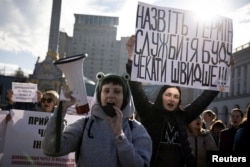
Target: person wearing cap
{"x": 165, "y": 120}
{"x": 107, "y": 137}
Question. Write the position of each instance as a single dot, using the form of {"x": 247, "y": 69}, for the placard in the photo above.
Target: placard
{"x": 24, "y": 92}
{"x": 23, "y": 138}
{"x": 176, "y": 47}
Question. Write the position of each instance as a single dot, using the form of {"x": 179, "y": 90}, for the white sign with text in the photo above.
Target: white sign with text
{"x": 177, "y": 47}
{"x": 24, "y": 92}
{"x": 22, "y": 143}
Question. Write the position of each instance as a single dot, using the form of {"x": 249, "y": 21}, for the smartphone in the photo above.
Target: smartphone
{"x": 109, "y": 110}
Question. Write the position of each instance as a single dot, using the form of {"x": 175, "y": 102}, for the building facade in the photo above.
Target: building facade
{"x": 239, "y": 94}
{"x": 96, "y": 36}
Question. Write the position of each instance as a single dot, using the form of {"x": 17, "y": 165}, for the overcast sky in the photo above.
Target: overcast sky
{"x": 24, "y": 24}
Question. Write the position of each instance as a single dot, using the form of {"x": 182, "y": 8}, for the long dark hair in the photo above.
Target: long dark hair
{"x": 158, "y": 101}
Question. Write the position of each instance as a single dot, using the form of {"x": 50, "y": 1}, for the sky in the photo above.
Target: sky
{"x": 25, "y": 24}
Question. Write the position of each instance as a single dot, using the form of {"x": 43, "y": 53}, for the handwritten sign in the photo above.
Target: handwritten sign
{"x": 24, "y": 92}
{"x": 176, "y": 47}
{"x": 23, "y": 138}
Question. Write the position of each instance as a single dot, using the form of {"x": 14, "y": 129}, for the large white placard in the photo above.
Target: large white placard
{"x": 22, "y": 143}
{"x": 177, "y": 47}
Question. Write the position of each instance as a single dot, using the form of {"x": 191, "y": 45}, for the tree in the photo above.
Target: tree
{"x": 19, "y": 73}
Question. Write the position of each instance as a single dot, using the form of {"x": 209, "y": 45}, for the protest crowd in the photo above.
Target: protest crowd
{"x": 177, "y": 138}
{"x": 124, "y": 128}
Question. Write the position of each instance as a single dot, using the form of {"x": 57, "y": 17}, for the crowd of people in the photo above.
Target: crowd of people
{"x": 166, "y": 134}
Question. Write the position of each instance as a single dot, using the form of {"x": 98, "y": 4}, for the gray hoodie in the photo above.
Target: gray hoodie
{"x": 98, "y": 148}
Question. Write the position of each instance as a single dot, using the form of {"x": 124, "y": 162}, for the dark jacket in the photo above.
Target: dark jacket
{"x": 242, "y": 138}
{"x": 154, "y": 118}
{"x": 226, "y": 140}
{"x": 21, "y": 106}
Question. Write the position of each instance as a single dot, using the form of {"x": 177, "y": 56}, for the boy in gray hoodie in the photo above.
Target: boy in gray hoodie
{"x": 106, "y": 140}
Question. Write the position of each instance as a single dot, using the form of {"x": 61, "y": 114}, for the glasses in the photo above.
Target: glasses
{"x": 49, "y": 100}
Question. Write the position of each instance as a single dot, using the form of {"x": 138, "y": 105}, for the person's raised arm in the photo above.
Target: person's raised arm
{"x": 142, "y": 104}
{"x": 130, "y": 47}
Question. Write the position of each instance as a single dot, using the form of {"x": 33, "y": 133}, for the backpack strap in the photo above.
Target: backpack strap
{"x": 77, "y": 153}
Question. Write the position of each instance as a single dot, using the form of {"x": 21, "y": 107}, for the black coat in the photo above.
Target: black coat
{"x": 242, "y": 138}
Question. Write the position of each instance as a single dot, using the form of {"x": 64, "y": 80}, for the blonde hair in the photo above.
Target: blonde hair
{"x": 52, "y": 93}
{"x": 210, "y": 113}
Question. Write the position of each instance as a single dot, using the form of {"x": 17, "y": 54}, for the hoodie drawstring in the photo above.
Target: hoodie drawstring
{"x": 89, "y": 130}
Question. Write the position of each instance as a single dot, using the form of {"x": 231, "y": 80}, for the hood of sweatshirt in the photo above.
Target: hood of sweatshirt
{"x": 96, "y": 109}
